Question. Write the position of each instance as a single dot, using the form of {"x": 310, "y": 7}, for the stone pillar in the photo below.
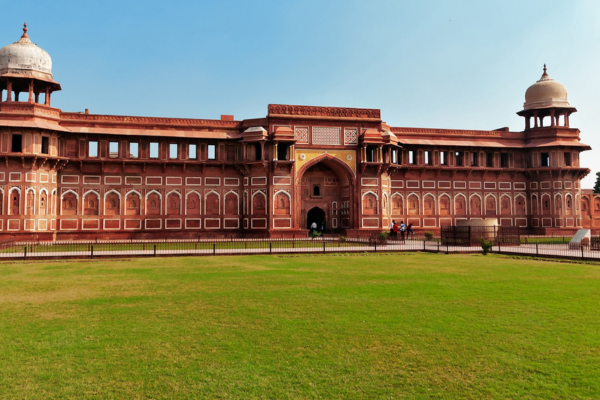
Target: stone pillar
{"x": 9, "y": 90}
{"x": 567, "y": 119}
{"x": 30, "y": 99}
{"x": 37, "y": 97}
{"x": 47, "y": 99}
{"x": 275, "y": 151}
{"x": 535, "y": 119}
{"x": 527, "y": 122}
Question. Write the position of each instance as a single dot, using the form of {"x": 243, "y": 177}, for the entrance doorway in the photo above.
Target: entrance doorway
{"x": 317, "y": 215}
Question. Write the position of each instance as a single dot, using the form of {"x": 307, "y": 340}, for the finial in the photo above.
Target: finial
{"x": 25, "y": 29}
{"x": 544, "y": 69}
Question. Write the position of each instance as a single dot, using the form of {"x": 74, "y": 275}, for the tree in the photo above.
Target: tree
{"x": 597, "y": 185}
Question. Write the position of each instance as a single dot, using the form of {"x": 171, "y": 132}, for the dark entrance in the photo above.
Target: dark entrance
{"x": 315, "y": 215}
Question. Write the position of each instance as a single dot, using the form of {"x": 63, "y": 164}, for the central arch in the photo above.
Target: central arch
{"x": 326, "y": 183}
{"x": 317, "y": 215}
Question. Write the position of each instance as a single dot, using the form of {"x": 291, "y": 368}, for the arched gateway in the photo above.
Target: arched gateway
{"x": 326, "y": 192}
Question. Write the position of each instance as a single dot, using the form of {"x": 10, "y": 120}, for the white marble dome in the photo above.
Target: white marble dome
{"x": 24, "y": 57}
{"x": 546, "y": 93}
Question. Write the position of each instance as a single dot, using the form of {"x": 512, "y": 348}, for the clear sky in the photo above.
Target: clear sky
{"x": 439, "y": 64}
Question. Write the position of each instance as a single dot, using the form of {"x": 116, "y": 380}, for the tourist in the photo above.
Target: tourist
{"x": 402, "y": 230}
{"x": 323, "y": 227}
{"x": 392, "y": 229}
{"x": 409, "y": 230}
{"x": 395, "y": 230}
{"x": 313, "y": 227}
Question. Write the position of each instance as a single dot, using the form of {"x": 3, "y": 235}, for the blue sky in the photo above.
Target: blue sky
{"x": 440, "y": 64}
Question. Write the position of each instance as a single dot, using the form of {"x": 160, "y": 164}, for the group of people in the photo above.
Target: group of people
{"x": 394, "y": 228}
{"x": 314, "y": 227}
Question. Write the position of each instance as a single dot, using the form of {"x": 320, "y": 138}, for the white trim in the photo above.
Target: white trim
{"x": 98, "y": 197}
{"x": 61, "y": 199}
{"x": 167, "y": 205}
{"x": 199, "y": 200}
{"x": 238, "y": 203}
{"x": 252, "y": 203}
{"x": 218, "y": 202}
{"x": 159, "y": 206}
{"x": 40, "y": 200}
{"x": 34, "y": 201}
{"x": 104, "y": 202}
{"x": 139, "y": 198}
{"x": 362, "y": 207}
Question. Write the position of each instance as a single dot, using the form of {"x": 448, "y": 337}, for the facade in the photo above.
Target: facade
{"x": 80, "y": 175}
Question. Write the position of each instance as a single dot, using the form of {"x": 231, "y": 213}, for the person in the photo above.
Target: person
{"x": 402, "y": 230}
{"x": 409, "y": 230}
{"x": 392, "y": 228}
{"x": 323, "y": 227}
{"x": 395, "y": 231}
{"x": 313, "y": 227}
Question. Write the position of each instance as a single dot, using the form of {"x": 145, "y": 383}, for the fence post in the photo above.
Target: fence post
{"x": 375, "y": 245}
{"x": 423, "y": 245}
{"x": 270, "y": 247}
{"x": 214, "y": 248}
{"x": 154, "y": 250}
{"x": 582, "y": 251}
{"x": 323, "y": 246}
{"x": 537, "y": 249}
{"x": 25, "y": 252}
{"x": 438, "y": 247}
{"x": 92, "y": 252}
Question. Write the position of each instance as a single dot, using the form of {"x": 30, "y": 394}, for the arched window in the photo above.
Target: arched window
{"x": 316, "y": 190}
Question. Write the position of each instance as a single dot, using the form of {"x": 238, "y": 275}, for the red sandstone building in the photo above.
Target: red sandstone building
{"x": 81, "y": 175}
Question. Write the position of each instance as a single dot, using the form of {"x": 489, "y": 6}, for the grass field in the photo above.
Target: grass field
{"x": 376, "y": 326}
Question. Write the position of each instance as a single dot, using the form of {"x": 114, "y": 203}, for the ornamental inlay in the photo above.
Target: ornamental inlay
{"x": 301, "y": 135}
{"x": 350, "y": 136}
{"x": 326, "y": 135}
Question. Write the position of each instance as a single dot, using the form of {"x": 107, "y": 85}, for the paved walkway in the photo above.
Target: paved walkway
{"x": 553, "y": 250}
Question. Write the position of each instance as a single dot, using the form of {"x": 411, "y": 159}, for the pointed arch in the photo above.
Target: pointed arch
{"x": 335, "y": 164}
{"x": 413, "y": 201}
{"x": 112, "y": 202}
{"x": 505, "y": 204}
{"x": 229, "y": 206}
{"x": 397, "y": 204}
{"x": 370, "y": 203}
{"x": 43, "y": 203}
{"x": 282, "y": 202}
{"x": 212, "y": 203}
{"x": 30, "y": 197}
{"x": 558, "y": 204}
{"x": 1, "y": 201}
{"x": 68, "y": 203}
{"x": 133, "y": 203}
{"x": 546, "y": 201}
{"x": 91, "y": 203}
{"x": 153, "y": 203}
{"x": 172, "y": 204}
{"x": 386, "y": 204}
{"x": 259, "y": 205}
{"x": 569, "y": 204}
{"x": 193, "y": 203}
{"x": 429, "y": 207}
{"x": 53, "y": 203}
{"x": 14, "y": 201}
{"x": 520, "y": 204}
{"x": 491, "y": 204}
{"x": 475, "y": 205}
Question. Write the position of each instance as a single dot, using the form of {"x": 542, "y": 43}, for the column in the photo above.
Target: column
{"x": 552, "y": 119}
{"x": 9, "y": 90}
{"x": 535, "y": 119}
{"x": 30, "y": 99}
{"x": 275, "y": 151}
{"x": 47, "y": 99}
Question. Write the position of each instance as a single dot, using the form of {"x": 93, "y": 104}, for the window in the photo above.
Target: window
{"x": 370, "y": 154}
{"x": 474, "y": 159}
{"x": 567, "y": 159}
{"x": 316, "y": 190}
{"x": 394, "y": 157}
{"x": 282, "y": 151}
{"x": 444, "y": 157}
{"x": 545, "y": 159}
{"x": 489, "y": 160}
{"x": 153, "y": 150}
{"x": 428, "y": 158}
{"x": 173, "y": 151}
{"x": 45, "y": 144}
{"x": 503, "y": 160}
{"x": 17, "y": 143}
{"x": 459, "y": 158}
{"x": 192, "y": 152}
{"x": 92, "y": 149}
{"x": 113, "y": 149}
{"x": 411, "y": 157}
{"x": 212, "y": 153}
{"x": 133, "y": 150}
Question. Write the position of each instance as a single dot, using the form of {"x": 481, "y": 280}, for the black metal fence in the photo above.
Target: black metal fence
{"x": 504, "y": 242}
{"x": 473, "y": 235}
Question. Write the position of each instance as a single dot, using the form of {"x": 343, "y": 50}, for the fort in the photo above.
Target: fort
{"x": 79, "y": 175}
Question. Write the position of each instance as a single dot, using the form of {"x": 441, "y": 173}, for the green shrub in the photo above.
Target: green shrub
{"x": 342, "y": 239}
{"x": 486, "y": 246}
{"x": 315, "y": 234}
{"x": 428, "y": 235}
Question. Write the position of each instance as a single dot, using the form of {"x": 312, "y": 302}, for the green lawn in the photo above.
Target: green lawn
{"x": 376, "y": 326}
